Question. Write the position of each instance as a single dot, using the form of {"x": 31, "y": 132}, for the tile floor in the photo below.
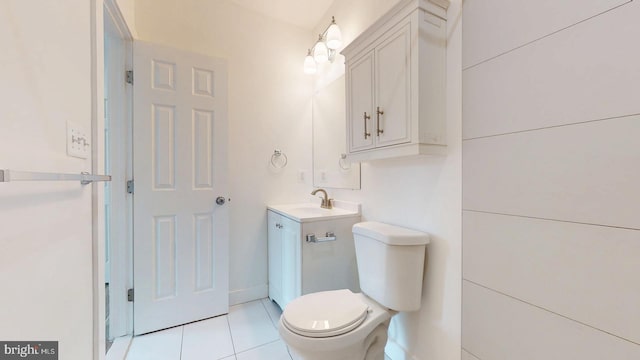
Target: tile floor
{"x": 248, "y": 332}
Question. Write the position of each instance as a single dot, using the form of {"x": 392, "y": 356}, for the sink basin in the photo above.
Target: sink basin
{"x": 307, "y": 211}
{"x": 313, "y": 212}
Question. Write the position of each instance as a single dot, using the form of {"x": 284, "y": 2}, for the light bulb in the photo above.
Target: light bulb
{"x": 309, "y": 64}
{"x": 334, "y": 36}
{"x": 320, "y": 51}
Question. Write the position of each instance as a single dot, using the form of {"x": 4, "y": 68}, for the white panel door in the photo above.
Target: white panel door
{"x": 180, "y": 166}
{"x": 360, "y": 103}
{"x": 392, "y": 89}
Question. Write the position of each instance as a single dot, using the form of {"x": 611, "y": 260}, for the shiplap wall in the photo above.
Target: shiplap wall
{"x": 551, "y": 179}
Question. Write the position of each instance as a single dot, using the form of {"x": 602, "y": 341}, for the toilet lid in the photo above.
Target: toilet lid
{"x": 324, "y": 314}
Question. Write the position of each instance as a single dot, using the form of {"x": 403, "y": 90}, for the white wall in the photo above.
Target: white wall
{"x": 421, "y": 193}
{"x": 45, "y": 228}
{"x": 551, "y": 232}
{"x": 269, "y": 108}
{"x": 128, "y": 11}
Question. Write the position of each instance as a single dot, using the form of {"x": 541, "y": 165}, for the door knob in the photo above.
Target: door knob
{"x": 220, "y": 200}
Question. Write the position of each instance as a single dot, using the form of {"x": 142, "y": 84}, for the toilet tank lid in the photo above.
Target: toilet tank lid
{"x": 390, "y": 234}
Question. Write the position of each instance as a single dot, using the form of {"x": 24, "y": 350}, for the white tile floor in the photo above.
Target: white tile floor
{"x": 248, "y": 332}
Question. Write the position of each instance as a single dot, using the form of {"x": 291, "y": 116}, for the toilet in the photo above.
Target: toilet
{"x": 342, "y": 325}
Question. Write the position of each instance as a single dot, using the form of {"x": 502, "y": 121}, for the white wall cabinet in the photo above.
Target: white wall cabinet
{"x": 297, "y": 267}
{"x": 395, "y": 78}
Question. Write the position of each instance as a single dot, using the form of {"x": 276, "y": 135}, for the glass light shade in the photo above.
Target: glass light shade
{"x": 334, "y": 37}
{"x": 309, "y": 64}
{"x": 320, "y": 52}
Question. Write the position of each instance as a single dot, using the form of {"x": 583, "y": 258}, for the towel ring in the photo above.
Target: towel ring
{"x": 276, "y": 155}
{"x": 344, "y": 165}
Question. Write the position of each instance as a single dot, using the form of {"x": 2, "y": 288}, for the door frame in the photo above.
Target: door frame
{"x": 121, "y": 259}
{"x": 121, "y": 245}
{"x": 97, "y": 166}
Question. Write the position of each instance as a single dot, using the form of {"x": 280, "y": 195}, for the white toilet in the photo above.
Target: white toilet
{"x": 341, "y": 325}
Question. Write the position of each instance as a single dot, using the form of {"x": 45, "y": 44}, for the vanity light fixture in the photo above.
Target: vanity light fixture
{"x": 324, "y": 49}
{"x": 310, "y": 66}
{"x": 320, "y": 51}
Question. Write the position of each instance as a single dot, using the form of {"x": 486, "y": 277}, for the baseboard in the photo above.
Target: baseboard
{"x": 249, "y": 294}
{"x": 396, "y": 352}
{"x": 119, "y": 349}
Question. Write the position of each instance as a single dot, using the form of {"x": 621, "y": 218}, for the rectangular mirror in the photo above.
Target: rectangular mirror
{"x": 330, "y": 168}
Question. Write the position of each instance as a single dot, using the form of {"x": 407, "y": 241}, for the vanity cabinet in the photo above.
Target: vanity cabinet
{"x": 395, "y": 83}
{"x": 297, "y": 267}
{"x": 284, "y": 244}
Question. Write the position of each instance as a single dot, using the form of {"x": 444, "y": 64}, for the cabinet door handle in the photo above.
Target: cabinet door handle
{"x": 366, "y": 117}
{"x": 379, "y": 112}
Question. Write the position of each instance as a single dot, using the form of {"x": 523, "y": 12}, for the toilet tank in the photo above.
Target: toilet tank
{"x": 390, "y": 264}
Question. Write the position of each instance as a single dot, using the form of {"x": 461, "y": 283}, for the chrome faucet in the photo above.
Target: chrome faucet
{"x": 326, "y": 202}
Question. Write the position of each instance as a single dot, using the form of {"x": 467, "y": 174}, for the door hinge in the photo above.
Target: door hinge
{"x": 129, "y": 294}
{"x": 129, "y": 77}
{"x": 130, "y": 186}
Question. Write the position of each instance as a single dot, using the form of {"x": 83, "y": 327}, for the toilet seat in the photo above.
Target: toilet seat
{"x": 325, "y": 314}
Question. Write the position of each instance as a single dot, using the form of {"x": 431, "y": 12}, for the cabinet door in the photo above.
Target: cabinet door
{"x": 392, "y": 124}
{"x": 275, "y": 256}
{"x": 291, "y": 259}
{"x": 360, "y": 103}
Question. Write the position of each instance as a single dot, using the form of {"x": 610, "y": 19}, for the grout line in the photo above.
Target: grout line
{"x": 262, "y": 301}
{"x": 233, "y": 345}
{"x": 544, "y": 37}
{"x": 550, "y": 127}
{"x": 261, "y": 345}
{"x": 181, "y": 341}
{"x": 268, "y": 312}
{"x": 470, "y": 353}
{"x": 550, "y": 311}
{"x": 288, "y": 351}
{"x": 550, "y": 219}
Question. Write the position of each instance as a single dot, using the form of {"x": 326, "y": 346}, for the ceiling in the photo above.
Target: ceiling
{"x": 304, "y": 13}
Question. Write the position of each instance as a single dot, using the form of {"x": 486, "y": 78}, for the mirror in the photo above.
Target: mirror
{"x": 330, "y": 168}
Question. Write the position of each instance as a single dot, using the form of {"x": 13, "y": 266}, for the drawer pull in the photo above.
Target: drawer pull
{"x": 366, "y": 117}
{"x": 380, "y": 112}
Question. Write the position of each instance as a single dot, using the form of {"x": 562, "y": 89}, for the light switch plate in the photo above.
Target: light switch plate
{"x": 323, "y": 176}
{"x": 78, "y": 144}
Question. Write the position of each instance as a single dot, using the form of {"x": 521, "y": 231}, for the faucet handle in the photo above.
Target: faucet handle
{"x": 328, "y": 204}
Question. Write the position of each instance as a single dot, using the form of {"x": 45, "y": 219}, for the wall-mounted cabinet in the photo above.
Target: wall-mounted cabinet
{"x": 395, "y": 79}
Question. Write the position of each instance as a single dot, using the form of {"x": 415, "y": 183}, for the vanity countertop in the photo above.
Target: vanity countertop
{"x": 308, "y": 212}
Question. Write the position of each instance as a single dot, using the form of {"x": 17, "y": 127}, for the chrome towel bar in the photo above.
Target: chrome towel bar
{"x": 84, "y": 178}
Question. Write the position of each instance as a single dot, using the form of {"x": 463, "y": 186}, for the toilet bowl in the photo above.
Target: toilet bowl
{"x": 342, "y": 325}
